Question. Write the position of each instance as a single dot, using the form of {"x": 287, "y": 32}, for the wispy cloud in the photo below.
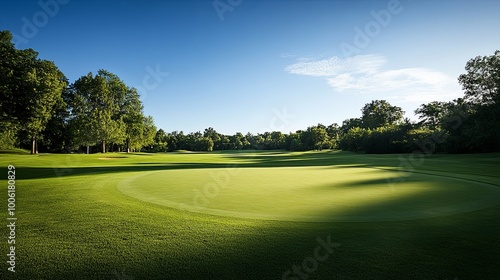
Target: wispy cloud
{"x": 335, "y": 66}
{"x": 364, "y": 74}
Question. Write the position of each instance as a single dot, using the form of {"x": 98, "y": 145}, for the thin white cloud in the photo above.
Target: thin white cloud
{"x": 363, "y": 74}
{"x": 335, "y": 65}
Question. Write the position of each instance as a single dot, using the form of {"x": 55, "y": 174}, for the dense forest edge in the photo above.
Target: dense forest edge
{"x": 40, "y": 110}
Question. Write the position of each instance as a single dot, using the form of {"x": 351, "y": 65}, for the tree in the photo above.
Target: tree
{"x": 177, "y": 141}
{"x": 45, "y": 84}
{"x": 205, "y": 144}
{"x": 349, "y": 124}
{"x": 481, "y": 83}
{"x": 224, "y": 143}
{"x": 379, "y": 113}
{"x": 95, "y": 106}
{"x": 256, "y": 141}
{"x": 431, "y": 114}
{"x": 238, "y": 141}
{"x": 293, "y": 142}
{"x": 139, "y": 130}
{"x": 277, "y": 140}
{"x": 56, "y": 137}
{"x": 214, "y": 136}
{"x": 8, "y": 135}
{"x": 334, "y": 133}
{"x": 161, "y": 141}
{"x": 29, "y": 89}
{"x": 355, "y": 139}
{"x": 481, "y": 130}
{"x": 314, "y": 137}
{"x": 387, "y": 139}
{"x": 148, "y": 132}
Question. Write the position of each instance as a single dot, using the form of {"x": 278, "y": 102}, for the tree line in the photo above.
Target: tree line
{"x": 41, "y": 109}
{"x": 464, "y": 125}
{"x": 314, "y": 137}
{"x": 469, "y": 124}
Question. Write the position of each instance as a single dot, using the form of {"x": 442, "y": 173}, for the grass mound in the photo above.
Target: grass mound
{"x": 314, "y": 194}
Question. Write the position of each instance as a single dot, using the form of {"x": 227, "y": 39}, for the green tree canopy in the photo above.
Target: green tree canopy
{"x": 30, "y": 88}
{"x": 481, "y": 83}
{"x": 350, "y": 123}
{"x": 431, "y": 114}
{"x": 95, "y": 108}
{"x": 380, "y": 113}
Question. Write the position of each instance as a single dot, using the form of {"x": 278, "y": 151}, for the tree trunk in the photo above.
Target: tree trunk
{"x": 88, "y": 149}
{"x": 128, "y": 146}
{"x": 34, "y": 149}
{"x": 103, "y": 146}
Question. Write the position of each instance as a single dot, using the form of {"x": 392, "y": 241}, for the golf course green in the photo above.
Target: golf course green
{"x": 322, "y": 194}
{"x": 253, "y": 215}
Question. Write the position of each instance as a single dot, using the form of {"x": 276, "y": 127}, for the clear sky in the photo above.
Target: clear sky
{"x": 262, "y": 65}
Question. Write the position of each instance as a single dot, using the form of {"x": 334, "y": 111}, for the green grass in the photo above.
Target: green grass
{"x": 331, "y": 193}
{"x": 15, "y": 151}
{"x": 120, "y": 216}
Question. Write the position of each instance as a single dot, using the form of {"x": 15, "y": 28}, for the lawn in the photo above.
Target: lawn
{"x": 254, "y": 215}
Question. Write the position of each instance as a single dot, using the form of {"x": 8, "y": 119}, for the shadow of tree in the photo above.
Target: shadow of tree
{"x": 246, "y": 161}
{"x": 464, "y": 246}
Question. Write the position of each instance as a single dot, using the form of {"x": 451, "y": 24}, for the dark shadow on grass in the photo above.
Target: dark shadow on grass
{"x": 112, "y": 157}
{"x": 453, "y": 247}
{"x": 439, "y": 248}
{"x": 354, "y": 184}
{"x": 254, "y": 161}
{"x": 382, "y": 182}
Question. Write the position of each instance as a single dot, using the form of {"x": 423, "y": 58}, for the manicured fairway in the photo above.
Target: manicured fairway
{"x": 254, "y": 215}
{"x": 321, "y": 194}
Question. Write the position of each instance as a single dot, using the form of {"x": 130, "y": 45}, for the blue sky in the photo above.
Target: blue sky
{"x": 255, "y": 66}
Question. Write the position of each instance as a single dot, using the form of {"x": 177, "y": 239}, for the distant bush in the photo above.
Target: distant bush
{"x": 392, "y": 139}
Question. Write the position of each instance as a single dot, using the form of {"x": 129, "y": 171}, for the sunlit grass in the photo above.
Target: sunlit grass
{"x": 310, "y": 193}
{"x": 74, "y": 223}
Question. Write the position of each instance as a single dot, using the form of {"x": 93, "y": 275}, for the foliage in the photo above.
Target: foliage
{"x": 431, "y": 114}
{"x": 40, "y": 109}
{"x": 355, "y": 139}
{"x": 481, "y": 83}
{"x": 105, "y": 110}
{"x": 380, "y": 113}
{"x": 8, "y": 135}
{"x": 30, "y": 88}
{"x": 351, "y": 123}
